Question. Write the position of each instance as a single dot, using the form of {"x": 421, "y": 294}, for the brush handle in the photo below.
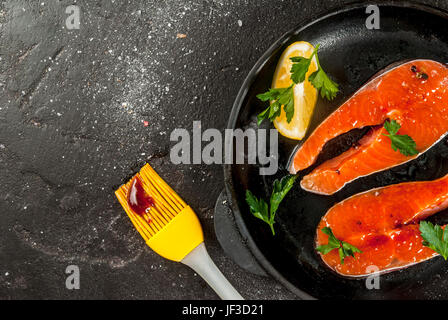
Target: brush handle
{"x": 199, "y": 260}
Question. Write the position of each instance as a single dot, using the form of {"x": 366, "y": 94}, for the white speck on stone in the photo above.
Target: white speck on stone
{"x": 240, "y": 23}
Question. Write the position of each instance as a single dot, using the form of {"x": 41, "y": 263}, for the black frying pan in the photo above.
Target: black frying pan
{"x": 351, "y": 54}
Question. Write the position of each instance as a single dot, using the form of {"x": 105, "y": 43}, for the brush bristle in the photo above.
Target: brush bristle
{"x": 167, "y": 204}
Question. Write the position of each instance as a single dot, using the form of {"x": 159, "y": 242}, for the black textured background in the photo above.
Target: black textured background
{"x": 72, "y": 106}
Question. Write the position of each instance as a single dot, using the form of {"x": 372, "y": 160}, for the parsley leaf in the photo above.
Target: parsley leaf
{"x": 435, "y": 238}
{"x": 281, "y": 188}
{"x": 345, "y": 249}
{"x": 259, "y": 207}
{"x": 279, "y": 97}
{"x": 402, "y": 142}
{"x": 320, "y": 80}
{"x": 392, "y": 126}
{"x": 300, "y": 68}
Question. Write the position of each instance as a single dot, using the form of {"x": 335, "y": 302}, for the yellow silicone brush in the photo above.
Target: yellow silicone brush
{"x": 170, "y": 227}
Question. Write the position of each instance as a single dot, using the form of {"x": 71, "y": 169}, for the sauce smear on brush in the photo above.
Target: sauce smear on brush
{"x": 139, "y": 201}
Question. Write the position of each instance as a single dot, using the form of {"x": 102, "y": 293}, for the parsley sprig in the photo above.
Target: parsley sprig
{"x": 435, "y": 238}
{"x": 320, "y": 80}
{"x": 345, "y": 249}
{"x": 259, "y": 208}
{"x": 402, "y": 142}
{"x": 279, "y": 97}
{"x": 285, "y": 96}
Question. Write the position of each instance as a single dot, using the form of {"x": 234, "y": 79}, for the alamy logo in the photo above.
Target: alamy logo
{"x": 188, "y": 150}
{"x": 373, "y": 21}
{"x": 73, "y": 21}
{"x": 73, "y": 280}
{"x": 373, "y": 280}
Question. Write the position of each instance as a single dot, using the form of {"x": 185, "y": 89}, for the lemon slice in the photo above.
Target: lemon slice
{"x": 305, "y": 95}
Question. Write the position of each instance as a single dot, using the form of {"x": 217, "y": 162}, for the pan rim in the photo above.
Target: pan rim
{"x": 237, "y": 105}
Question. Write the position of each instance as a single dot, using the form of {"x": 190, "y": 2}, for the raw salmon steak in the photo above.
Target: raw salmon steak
{"x": 384, "y": 224}
{"x": 415, "y": 94}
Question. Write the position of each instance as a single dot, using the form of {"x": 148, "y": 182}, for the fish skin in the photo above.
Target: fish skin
{"x": 419, "y": 106}
{"x": 384, "y": 224}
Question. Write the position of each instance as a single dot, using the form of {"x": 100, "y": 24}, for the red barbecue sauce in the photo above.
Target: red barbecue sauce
{"x": 138, "y": 200}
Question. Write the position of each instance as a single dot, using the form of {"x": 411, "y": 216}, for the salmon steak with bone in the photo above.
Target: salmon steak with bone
{"x": 383, "y": 224}
{"x": 413, "y": 93}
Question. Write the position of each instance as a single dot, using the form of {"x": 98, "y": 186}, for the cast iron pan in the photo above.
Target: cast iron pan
{"x": 351, "y": 54}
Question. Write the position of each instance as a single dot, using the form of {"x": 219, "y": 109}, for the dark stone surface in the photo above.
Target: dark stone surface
{"x": 72, "y": 106}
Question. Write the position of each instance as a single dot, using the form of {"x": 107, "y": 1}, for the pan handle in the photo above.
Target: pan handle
{"x": 231, "y": 239}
